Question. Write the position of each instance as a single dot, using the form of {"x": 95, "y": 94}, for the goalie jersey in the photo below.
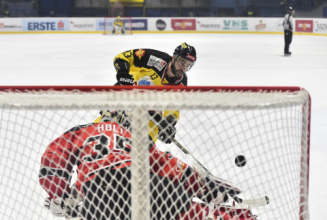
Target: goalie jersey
{"x": 94, "y": 147}
{"x": 118, "y": 23}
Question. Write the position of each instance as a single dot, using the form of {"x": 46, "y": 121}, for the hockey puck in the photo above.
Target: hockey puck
{"x": 240, "y": 161}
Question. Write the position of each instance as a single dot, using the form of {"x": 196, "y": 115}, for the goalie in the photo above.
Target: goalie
{"x": 101, "y": 152}
{"x": 118, "y": 26}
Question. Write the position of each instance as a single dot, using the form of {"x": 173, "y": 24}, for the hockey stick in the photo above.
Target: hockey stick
{"x": 261, "y": 201}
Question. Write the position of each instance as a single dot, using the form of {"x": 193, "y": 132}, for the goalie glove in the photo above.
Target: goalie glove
{"x": 69, "y": 207}
{"x": 210, "y": 188}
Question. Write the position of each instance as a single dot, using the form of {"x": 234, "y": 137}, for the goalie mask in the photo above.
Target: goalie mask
{"x": 120, "y": 116}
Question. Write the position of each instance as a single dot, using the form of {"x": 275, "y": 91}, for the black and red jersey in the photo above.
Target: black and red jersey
{"x": 94, "y": 147}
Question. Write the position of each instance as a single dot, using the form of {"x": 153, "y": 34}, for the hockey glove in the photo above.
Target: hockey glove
{"x": 167, "y": 130}
{"x": 68, "y": 207}
{"x": 123, "y": 77}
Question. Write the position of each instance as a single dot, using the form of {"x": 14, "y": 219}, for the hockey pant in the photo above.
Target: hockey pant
{"x": 288, "y": 35}
{"x": 107, "y": 197}
{"x": 117, "y": 29}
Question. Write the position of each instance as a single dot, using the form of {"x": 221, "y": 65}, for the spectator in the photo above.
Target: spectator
{"x": 283, "y": 6}
{"x": 6, "y": 12}
{"x": 251, "y": 10}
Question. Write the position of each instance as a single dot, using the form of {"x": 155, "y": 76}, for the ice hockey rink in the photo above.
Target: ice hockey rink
{"x": 223, "y": 60}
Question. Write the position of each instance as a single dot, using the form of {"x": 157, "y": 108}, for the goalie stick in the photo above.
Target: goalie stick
{"x": 260, "y": 201}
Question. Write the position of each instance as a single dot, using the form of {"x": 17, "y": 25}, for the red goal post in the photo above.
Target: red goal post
{"x": 270, "y": 126}
{"x": 109, "y": 24}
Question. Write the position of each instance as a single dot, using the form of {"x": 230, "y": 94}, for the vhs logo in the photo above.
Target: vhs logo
{"x": 235, "y": 25}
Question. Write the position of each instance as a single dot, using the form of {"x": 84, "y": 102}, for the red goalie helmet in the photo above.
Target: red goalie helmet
{"x": 122, "y": 117}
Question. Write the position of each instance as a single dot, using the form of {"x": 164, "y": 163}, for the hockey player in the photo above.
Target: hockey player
{"x": 288, "y": 30}
{"x": 101, "y": 152}
{"x": 146, "y": 67}
{"x": 152, "y": 67}
{"x": 118, "y": 26}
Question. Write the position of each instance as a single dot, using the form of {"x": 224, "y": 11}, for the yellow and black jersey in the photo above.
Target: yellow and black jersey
{"x": 118, "y": 22}
{"x": 145, "y": 67}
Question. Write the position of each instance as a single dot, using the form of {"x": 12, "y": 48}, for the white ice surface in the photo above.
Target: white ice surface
{"x": 223, "y": 59}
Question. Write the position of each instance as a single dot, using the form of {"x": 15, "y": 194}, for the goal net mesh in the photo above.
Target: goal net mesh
{"x": 110, "y": 173}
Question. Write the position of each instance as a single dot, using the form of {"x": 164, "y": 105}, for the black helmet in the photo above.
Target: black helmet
{"x": 290, "y": 9}
{"x": 186, "y": 51}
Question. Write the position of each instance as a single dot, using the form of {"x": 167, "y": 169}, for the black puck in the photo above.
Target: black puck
{"x": 240, "y": 161}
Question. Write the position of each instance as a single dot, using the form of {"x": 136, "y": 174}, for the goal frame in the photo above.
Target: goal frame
{"x": 172, "y": 88}
{"x": 128, "y": 31}
{"x": 265, "y": 89}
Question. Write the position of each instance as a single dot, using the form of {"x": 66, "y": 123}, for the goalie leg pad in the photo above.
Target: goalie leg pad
{"x": 108, "y": 196}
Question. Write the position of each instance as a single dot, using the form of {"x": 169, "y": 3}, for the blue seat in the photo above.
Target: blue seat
{"x": 133, "y": 11}
{"x": 99, "y": 12}
{"x": 64, "y": 12}
{"x": 82, "y": 12}
{"x": 153, "y": 12}
{"x": 47, "y": 8}
{"x": 162, "y": 12}
{"x": 64, "y": 8}
{"x": 270, "y": 12}
{"x": 267, "y": 3}
{"x": 197, "y": 12}
{"x": 169, "y": 13}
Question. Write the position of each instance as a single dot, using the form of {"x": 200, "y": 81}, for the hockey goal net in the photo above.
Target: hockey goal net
{"x": 268, "y": 126}
{"x": 125, "y": 22}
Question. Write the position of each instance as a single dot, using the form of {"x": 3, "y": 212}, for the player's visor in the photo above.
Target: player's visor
{"x": 184, "y": 63}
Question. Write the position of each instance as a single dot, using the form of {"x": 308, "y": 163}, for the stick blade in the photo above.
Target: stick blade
{"x": 262, "y": 201}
